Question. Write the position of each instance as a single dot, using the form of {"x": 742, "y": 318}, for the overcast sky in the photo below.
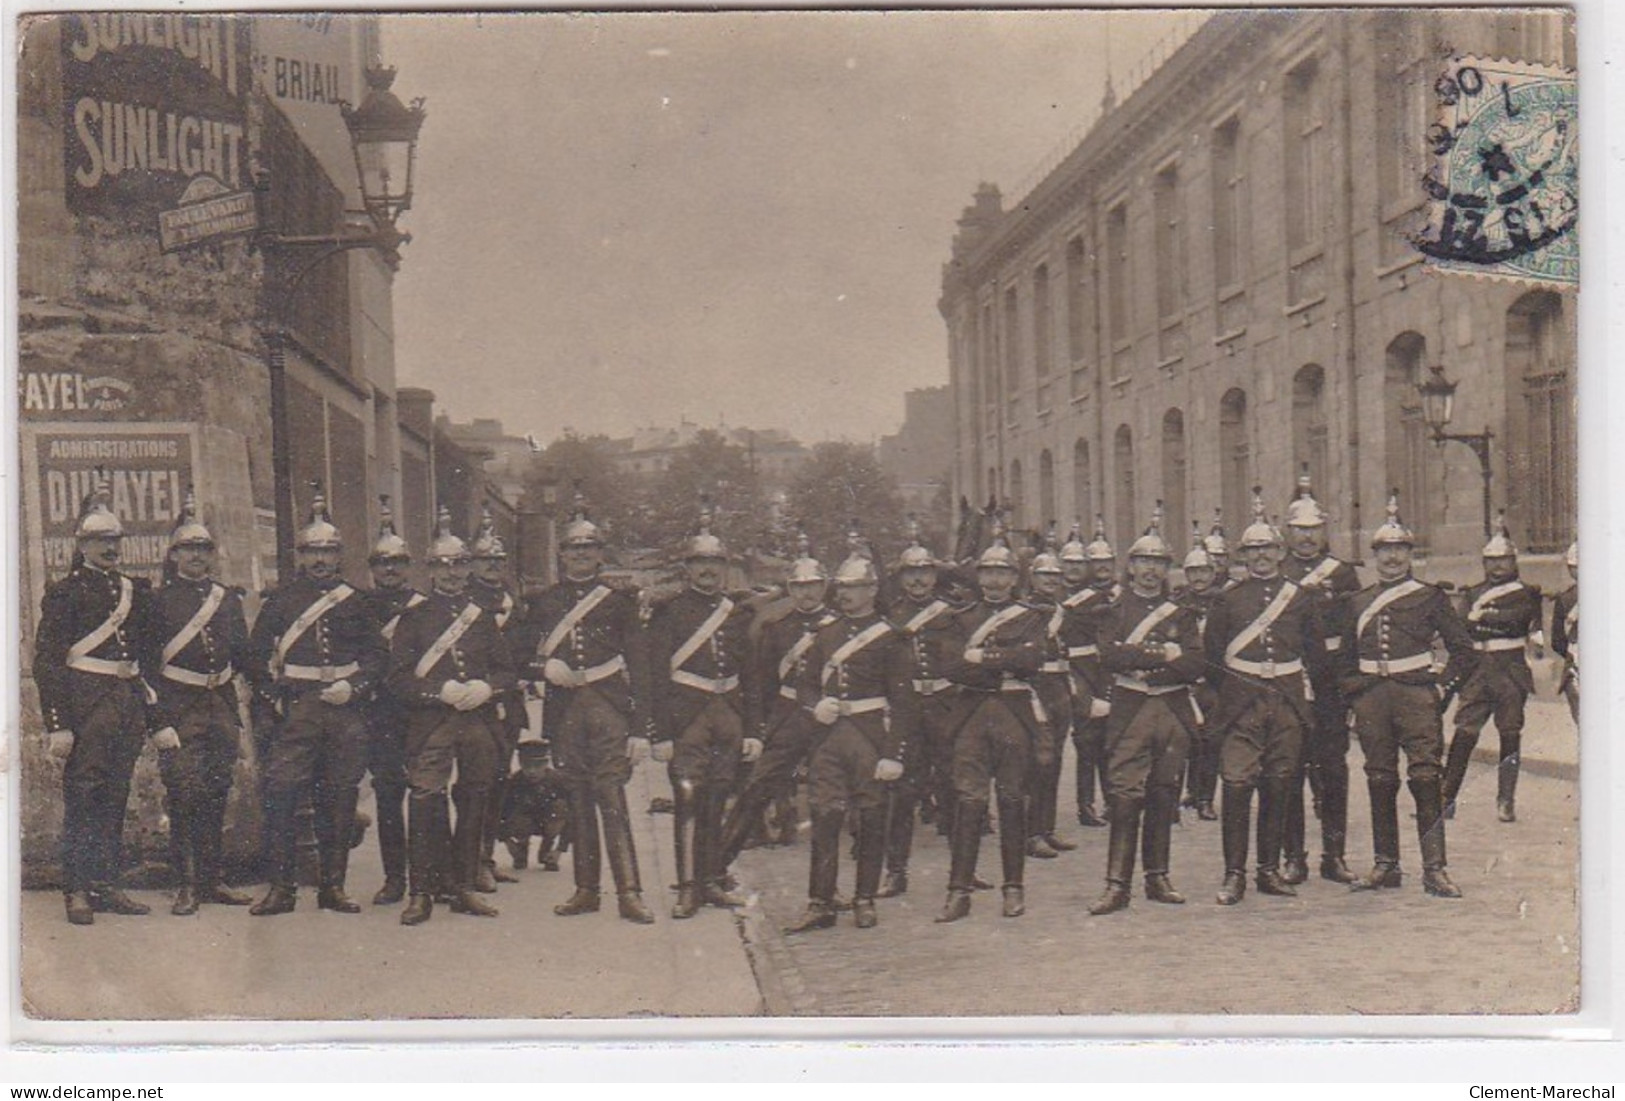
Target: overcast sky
{"x": 626, "y": 219}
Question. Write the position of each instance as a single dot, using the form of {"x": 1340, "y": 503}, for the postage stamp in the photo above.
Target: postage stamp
{"x": 1504, "y": 186}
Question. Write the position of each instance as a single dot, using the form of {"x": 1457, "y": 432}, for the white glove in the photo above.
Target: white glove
{"x": 338, "y": 693}
{"x": 560, "y": 674}
{"x": 661, "y": 751}
{"x": 452, "y": 694}
{"x": 60, "y": 743}
{"x": 637, "y": 750}
{"x": 888, "y": 770}
{"x": 751, "y": 749}
{"x": 1171, "y": 651}
{"x": 167, "y": 738}
{"x": 478, "y": 693}
{"x": 974, "y": 655}
{"x": 827, "y": 710}
{"x": 1099, "y": 709}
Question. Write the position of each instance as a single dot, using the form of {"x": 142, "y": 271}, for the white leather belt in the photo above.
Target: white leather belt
{"x": 181, "y": 675}
{"x": 717, "y": 686}
{"x": 1266, "y": 670}
{"x": 1055, "y": 667}
{"x": 860, "y": 707}
{"x": 932, "y": 687}
{"x": 123, "y": 670}
{"x": 787, "y": 692}
{"x": 1135, "y": 684}
{"x": 1014, "y": 684}
{"x": 603, "y": 670}
{"x": 1334, "y": 644}
{"x": 1398, "y": 665}
{"x": 327, "y": 674}
{"x": 1493, "y": 645}
{"x": 1082, "y": 651}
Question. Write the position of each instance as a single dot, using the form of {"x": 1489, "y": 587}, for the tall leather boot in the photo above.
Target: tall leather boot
{"x": 1430, "y": 832}
{"x": 339, "y": 811}
{"x": 1462, "y": 744}
{"x": 1506, "y": 791}
{"x": 586, "y": 859}
{"x": 964, "y": 844}
{"x": 1385, "y": 871}
{"x": 898, "y": 825}
{"x": 1157, "y": 844}
{"x": 391, "y": 800}
{"x": 1125, "y": 814}
{"x": 1235, "y": 814}
{"x": 873, "y": 841}
{"x": 1013, "y": 813}
{"x": 428, "y": 824}
{"x": 623, "y": 854}
{"x": 1275, "y": 794}
{"x": 468, "y": 850}
{"x": 743, "y": 817}
{"x": 280, "y": 809}
{"x": 824, "y": 872}
{"x": 713, "y": 891}
{"x": 208, "y": 828}
{"x": 1294, "y": 842}
{"x": 1089, "y": 762}
{"x": 685, "y": 830}
{"x": 183, "y": 850}
{"x": 1334, "y": 820}
{"x": 490, "y": 831}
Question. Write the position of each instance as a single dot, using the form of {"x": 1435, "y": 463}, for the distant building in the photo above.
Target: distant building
{"x": 920, "y": 454}
{"x": 774, "y": 454}
{"x": 507, "y": 458}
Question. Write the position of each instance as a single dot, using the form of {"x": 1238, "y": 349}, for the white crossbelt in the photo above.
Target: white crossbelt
{"x": 932, "y": 687}
{"x": 1493, "y": 645}
{"x": 1055, "y": 667}
{"x": 603, "y": 670}
{"x": 1082, "y": 651}
{"x": 325, "y": 673}
{"x": 1334, "y": 644}
{"x": 181, "y": 675}
{"x": 787, "y": 692}
{"x": 1398, "y": 665}
{"x": 1135, "y": 684}
{"x": 1268, "y": 670}
{"x": 860, "y": 707}
{"x": 716, "y": 686}
{"x": 123, "y": 670}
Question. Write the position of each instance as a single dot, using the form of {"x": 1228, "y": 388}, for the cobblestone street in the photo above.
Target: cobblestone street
{"x": 1509, "y": 946}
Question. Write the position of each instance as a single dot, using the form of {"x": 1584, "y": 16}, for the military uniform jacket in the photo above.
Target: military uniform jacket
{"x": 74, "y": 612}
{"x": 421, "y": 661}
{"x": 1080, "y": 630}
{"x": 1132, "y": 635}
{"x": 927, "y": 628}
{"x": 1390, "y": 632}
{"x": 343, "y": 642}
{"x": 1499, "y": 619}
{"x": 1566, "y": 625}
{"x": 594, "y": 629}
{"x": 1332, "y": 583}
{"x": 506, "y": 612}
{"x": 1013, "y": 652}
{"x": 715, "y": 667}
{"x": 197, "y": 644}
{"x": 387, "y": 606}
{"x": 864, "y": 662}
{"x": 779, "y": 657}
{"x": 1257, "y": 630}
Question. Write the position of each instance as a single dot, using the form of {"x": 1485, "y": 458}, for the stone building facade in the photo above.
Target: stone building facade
{"x": 1215, "y": 288}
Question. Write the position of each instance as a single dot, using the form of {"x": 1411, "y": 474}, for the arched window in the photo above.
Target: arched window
{"x": 1083, "y": 487}
{"x": 1539, "y": 449}
{"x": 1310, "y": 433}
{"x": 1046, "y": 490}
{"x": 1235, "y": 460}
{"x": 1175, "y": 520}
{"x": 1123, "y": 463}
{"x": 1413, "y": 464}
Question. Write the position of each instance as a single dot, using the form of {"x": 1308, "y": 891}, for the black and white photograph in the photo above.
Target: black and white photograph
{"x": 1056, "y": 516}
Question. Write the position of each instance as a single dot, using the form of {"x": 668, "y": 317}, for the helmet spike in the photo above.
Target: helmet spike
{"x": 190, "y": 531}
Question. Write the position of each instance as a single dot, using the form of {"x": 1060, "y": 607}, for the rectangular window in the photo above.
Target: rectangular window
{"x": 1077, "y": 302}
{"x": 989, "y": 361}
{"x": 1012, "y": 348}
{"x": 1306, "y": 134}
{"x": 1401, "y": 90}
{"x": 1043, "y": 319}
{"x": 1170, "y": 245}
{"x": 1117, "y": 288}
{"x": 1227, "y": 196}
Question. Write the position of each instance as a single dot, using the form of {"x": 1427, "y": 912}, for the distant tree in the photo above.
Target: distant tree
{"x": 842, "y": 482}
{"x": 587, "y": 463}
{"x": 719, "y": 470}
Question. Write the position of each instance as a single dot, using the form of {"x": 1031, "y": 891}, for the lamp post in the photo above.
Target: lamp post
{"x": 383, "y": 137}
{"x": 1438, "y": 406}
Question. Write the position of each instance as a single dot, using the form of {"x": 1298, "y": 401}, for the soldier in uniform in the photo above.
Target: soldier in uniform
{"x": 582, "y": 638}
{"x": 316, "y": 651}
{"x": 1503, "y": 618}
{"x": 1332, "y": 583}
{"x": 926, "y": 624}
{"x": 198, "y": 642}
{"x": 698, "y": 651}
{"x": 1153, "y": 648}
{"x": 1219, "y": 551}
{"x": 1388, "y": 678}
{"x": 1566, "y": 633}
{"x": 92, "y": 699}
{"x": 389, "y": 597}
{"x": 998, "y": 647}
{"x": 1091, "y": 577}
{"x": 488, "y": 587}
{"x": 775, "y": 721}
{"x": 856, "y": 684}
{"x": 1202, "y": 761}
{"x": 1265, "y": 650}
{"x": 1054, "y": 687}
{"x": 449, "y": 664}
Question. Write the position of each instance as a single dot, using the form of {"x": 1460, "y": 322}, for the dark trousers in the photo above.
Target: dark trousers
{"x": 197, "y": 780}
{"x": 386, "y": 763}
{"x": 1326, "y": 767}
{"x": 769, "y": 776}
{"x": 841, "y": 778}
{"x": 96, "y": 787}
{"x": 471, "y": 742}
{"x": 590, "y": 752}
{"x": 1263, "y": 750}
{"x": 1489, "y": 694}
{"x": 320, "y": 748}
{"x": 994, "y": 746}
{"x": 704, "y": 763}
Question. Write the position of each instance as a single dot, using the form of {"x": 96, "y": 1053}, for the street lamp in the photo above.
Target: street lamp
{"x": 1438, "y": 406}
{"x": 383, "y": 138}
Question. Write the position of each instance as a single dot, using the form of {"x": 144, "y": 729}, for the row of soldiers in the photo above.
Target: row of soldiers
{"x": 1253, "y": 681}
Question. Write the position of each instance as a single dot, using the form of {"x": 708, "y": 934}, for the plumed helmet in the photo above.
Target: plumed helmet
{"x": 914, "y": 555}
{"x": 856, "y": 570}
{"x": 1392, "y": 531}
{"x": 390, "y": 546}
{"x": 1215, "y": 541}
{"x": 1198, "y": 557}
{"x": 320, "y": 533}
{"x": 1304, "y": 511}
{"x": 1099, "y": 549}
{"x": 1151, "y": 544}
{"x": 1500, "y": 544}
{"x": 805, "y": 569}
{"x": 1260, "y": 533}
{"x": 704, "y": 544}
{"x": 1572, "y": 558}
{"x": 580, "y": 531}
{"x": 487, "y": 543}
{"x": 998, "y": 555}
{"x": 190, "y": 532}
{"x": 1073, "y": 549}
{"x": 1047, "y": 560}
{"x": 446, "y": 546}
{"x": 96, "y": 517}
